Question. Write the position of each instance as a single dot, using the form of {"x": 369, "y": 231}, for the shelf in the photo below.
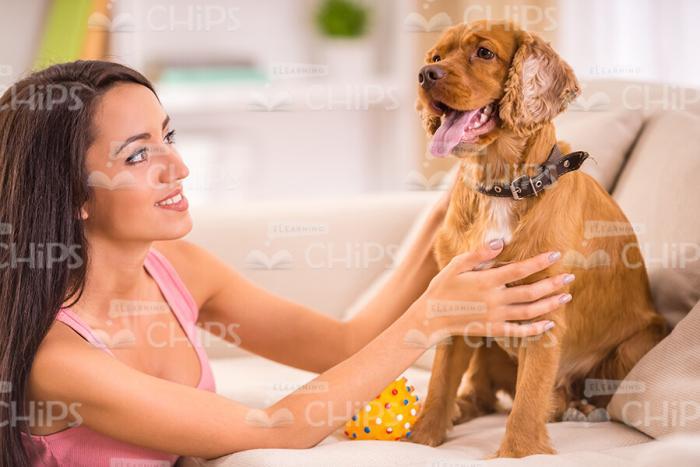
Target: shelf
{"x": 281, "y": 96}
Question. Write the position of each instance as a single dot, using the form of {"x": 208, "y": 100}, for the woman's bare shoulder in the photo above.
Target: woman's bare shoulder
{"x": 199, "y": 269}
{"x": 106, "y": 395}
{"x": 60, "y": 349}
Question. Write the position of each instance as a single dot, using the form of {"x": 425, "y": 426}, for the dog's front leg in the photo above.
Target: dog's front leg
{"x": 451, "y": 361}
{"x": 538, "y": 362}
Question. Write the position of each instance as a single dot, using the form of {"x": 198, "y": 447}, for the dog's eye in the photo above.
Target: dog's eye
{"x": 486, "y": 54}
{"x": 436, "y": 58}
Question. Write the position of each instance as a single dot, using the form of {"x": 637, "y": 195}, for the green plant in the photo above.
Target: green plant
{"x": 341, "y": 18}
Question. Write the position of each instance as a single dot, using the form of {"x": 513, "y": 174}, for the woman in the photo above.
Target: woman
{"x": 92, "y": 212}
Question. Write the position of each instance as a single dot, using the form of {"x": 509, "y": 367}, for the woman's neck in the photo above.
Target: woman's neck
{"x": 114, "y": 271}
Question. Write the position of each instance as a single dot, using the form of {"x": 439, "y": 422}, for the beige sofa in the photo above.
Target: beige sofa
{"x": 644, "y": 142}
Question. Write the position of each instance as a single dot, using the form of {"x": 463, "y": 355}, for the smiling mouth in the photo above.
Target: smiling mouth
{"x": 460, "y": 126}
{"x": 175, "y": 201}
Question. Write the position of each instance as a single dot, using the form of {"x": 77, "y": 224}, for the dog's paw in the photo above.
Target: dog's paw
{"x": 428, "y": 439}
{"x": 428, "y": 433}
{"x": 511, "y": 450}
{"x": 525, "y": 443}
{"x": 456, "y": 414}
{"x": 465, "y": 410}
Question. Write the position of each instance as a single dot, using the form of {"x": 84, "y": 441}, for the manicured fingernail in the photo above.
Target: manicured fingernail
{"x": 549, "y": 325}
{"x": 566, "y": 298}
{"x": 568, "y": 279}
{"x": 496, "y": 244}
{"x": 554, "y": 256}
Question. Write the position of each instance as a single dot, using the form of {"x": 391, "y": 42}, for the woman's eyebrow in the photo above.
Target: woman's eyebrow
{"x": 131, "y": 139}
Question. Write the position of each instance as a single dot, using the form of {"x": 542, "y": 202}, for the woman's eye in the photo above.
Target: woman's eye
{"x": 138, "y": 156}
{"x": 141, "y": 154}
{"x": 486, "y": 54}
{"x": 170, "y": 137}
{"x": 436, "y": 58}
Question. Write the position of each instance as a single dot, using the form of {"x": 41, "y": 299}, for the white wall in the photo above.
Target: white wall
{"x": 21, "y": 23}
{"x": 337, "y": 132}
{"x": 647, "y": 40}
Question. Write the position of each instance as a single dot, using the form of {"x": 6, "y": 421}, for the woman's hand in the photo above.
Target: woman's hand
{"x": 462, "y": 300}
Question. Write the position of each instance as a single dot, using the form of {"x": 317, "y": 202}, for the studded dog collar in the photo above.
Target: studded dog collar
{"x": 555, "y": 166}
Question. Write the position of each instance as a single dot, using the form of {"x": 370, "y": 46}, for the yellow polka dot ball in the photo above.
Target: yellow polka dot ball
{"x": 389, "y": 417}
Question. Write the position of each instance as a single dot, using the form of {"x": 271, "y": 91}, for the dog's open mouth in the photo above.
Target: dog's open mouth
{"x": 461, "y": 127}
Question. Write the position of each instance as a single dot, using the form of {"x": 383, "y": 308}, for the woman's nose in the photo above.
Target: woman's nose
{"x": 182, "y": 170}
{"x": 174, "y": 170}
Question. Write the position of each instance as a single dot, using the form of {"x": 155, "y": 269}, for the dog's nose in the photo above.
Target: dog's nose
{"x": 429, "y": 74}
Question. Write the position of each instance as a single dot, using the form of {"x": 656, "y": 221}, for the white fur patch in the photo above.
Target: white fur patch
{"x": 500, "y": 220}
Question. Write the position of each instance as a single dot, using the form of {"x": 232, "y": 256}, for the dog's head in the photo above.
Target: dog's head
{"x": 486, "y": 78}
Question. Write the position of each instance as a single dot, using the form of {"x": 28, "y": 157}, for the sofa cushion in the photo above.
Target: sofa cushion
{"x": 466, "y": 445}
{"x": 661, "y": 395}
{"x": 319, "y": 252}
{"x": 266, "y": 381}
{"x": 658, "y": 191}
{"x": 608, "y": 136}
{"x": 646, "y": 98}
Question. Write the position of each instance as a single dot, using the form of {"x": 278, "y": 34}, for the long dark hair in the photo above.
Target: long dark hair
{"x": 45, "y": 131}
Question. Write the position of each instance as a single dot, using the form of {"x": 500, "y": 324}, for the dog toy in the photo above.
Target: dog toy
{"x": 389, "y": 417}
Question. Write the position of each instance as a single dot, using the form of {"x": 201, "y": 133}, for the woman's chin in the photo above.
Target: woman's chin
{"x": 175, "y": 229}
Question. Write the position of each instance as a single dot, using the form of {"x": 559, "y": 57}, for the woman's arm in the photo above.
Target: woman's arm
{"x": 406, "y": 283}
{"x": 243, "y": 313}
{"x": 239, "y": 311}
{"x": 112, "y": 398}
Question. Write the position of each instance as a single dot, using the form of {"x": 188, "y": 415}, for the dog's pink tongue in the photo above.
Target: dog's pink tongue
{"x": 450, "y": 132}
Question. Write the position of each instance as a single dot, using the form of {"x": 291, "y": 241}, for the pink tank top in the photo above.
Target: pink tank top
{"x": 79, "y": 445}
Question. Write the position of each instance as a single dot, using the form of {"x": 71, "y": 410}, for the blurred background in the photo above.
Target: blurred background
{"x": 296, "y": 98}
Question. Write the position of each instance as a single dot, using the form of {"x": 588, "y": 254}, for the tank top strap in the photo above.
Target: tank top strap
{"x": 172, "y": 285}
{"x": 181, "y": 302}
{"x": 72, "y": 320}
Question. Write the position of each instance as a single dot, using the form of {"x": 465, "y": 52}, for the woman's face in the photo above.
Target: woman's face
{"x": 132, "y": 168}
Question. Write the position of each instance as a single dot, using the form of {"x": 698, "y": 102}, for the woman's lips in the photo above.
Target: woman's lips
{"x": 174, "y": 202}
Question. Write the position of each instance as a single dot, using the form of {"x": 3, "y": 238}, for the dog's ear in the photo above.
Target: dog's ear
{"x": 431, "y": 122}
{"x": 539, "y": 86}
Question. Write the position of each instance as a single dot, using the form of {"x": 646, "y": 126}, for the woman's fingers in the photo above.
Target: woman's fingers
{"x": 535, "y": 309}
{"x": 501, "y": 305}
{"x": 535, "y": 291}
{"x": 468, "y": 261}
{"x": 522, "y": 269}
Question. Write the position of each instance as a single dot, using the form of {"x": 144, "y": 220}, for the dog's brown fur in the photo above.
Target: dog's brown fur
{"x": 611, "y": 321}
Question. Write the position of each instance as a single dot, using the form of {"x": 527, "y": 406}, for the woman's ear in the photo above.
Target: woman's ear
{"x": 431, "y": 122}
{"x": 83, "y": 213}
{"x": 539, "y": 86}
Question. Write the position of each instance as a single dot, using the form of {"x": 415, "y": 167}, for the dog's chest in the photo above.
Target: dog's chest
{"x": 498, "y": 220}
{"x": 488, "y": 219}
